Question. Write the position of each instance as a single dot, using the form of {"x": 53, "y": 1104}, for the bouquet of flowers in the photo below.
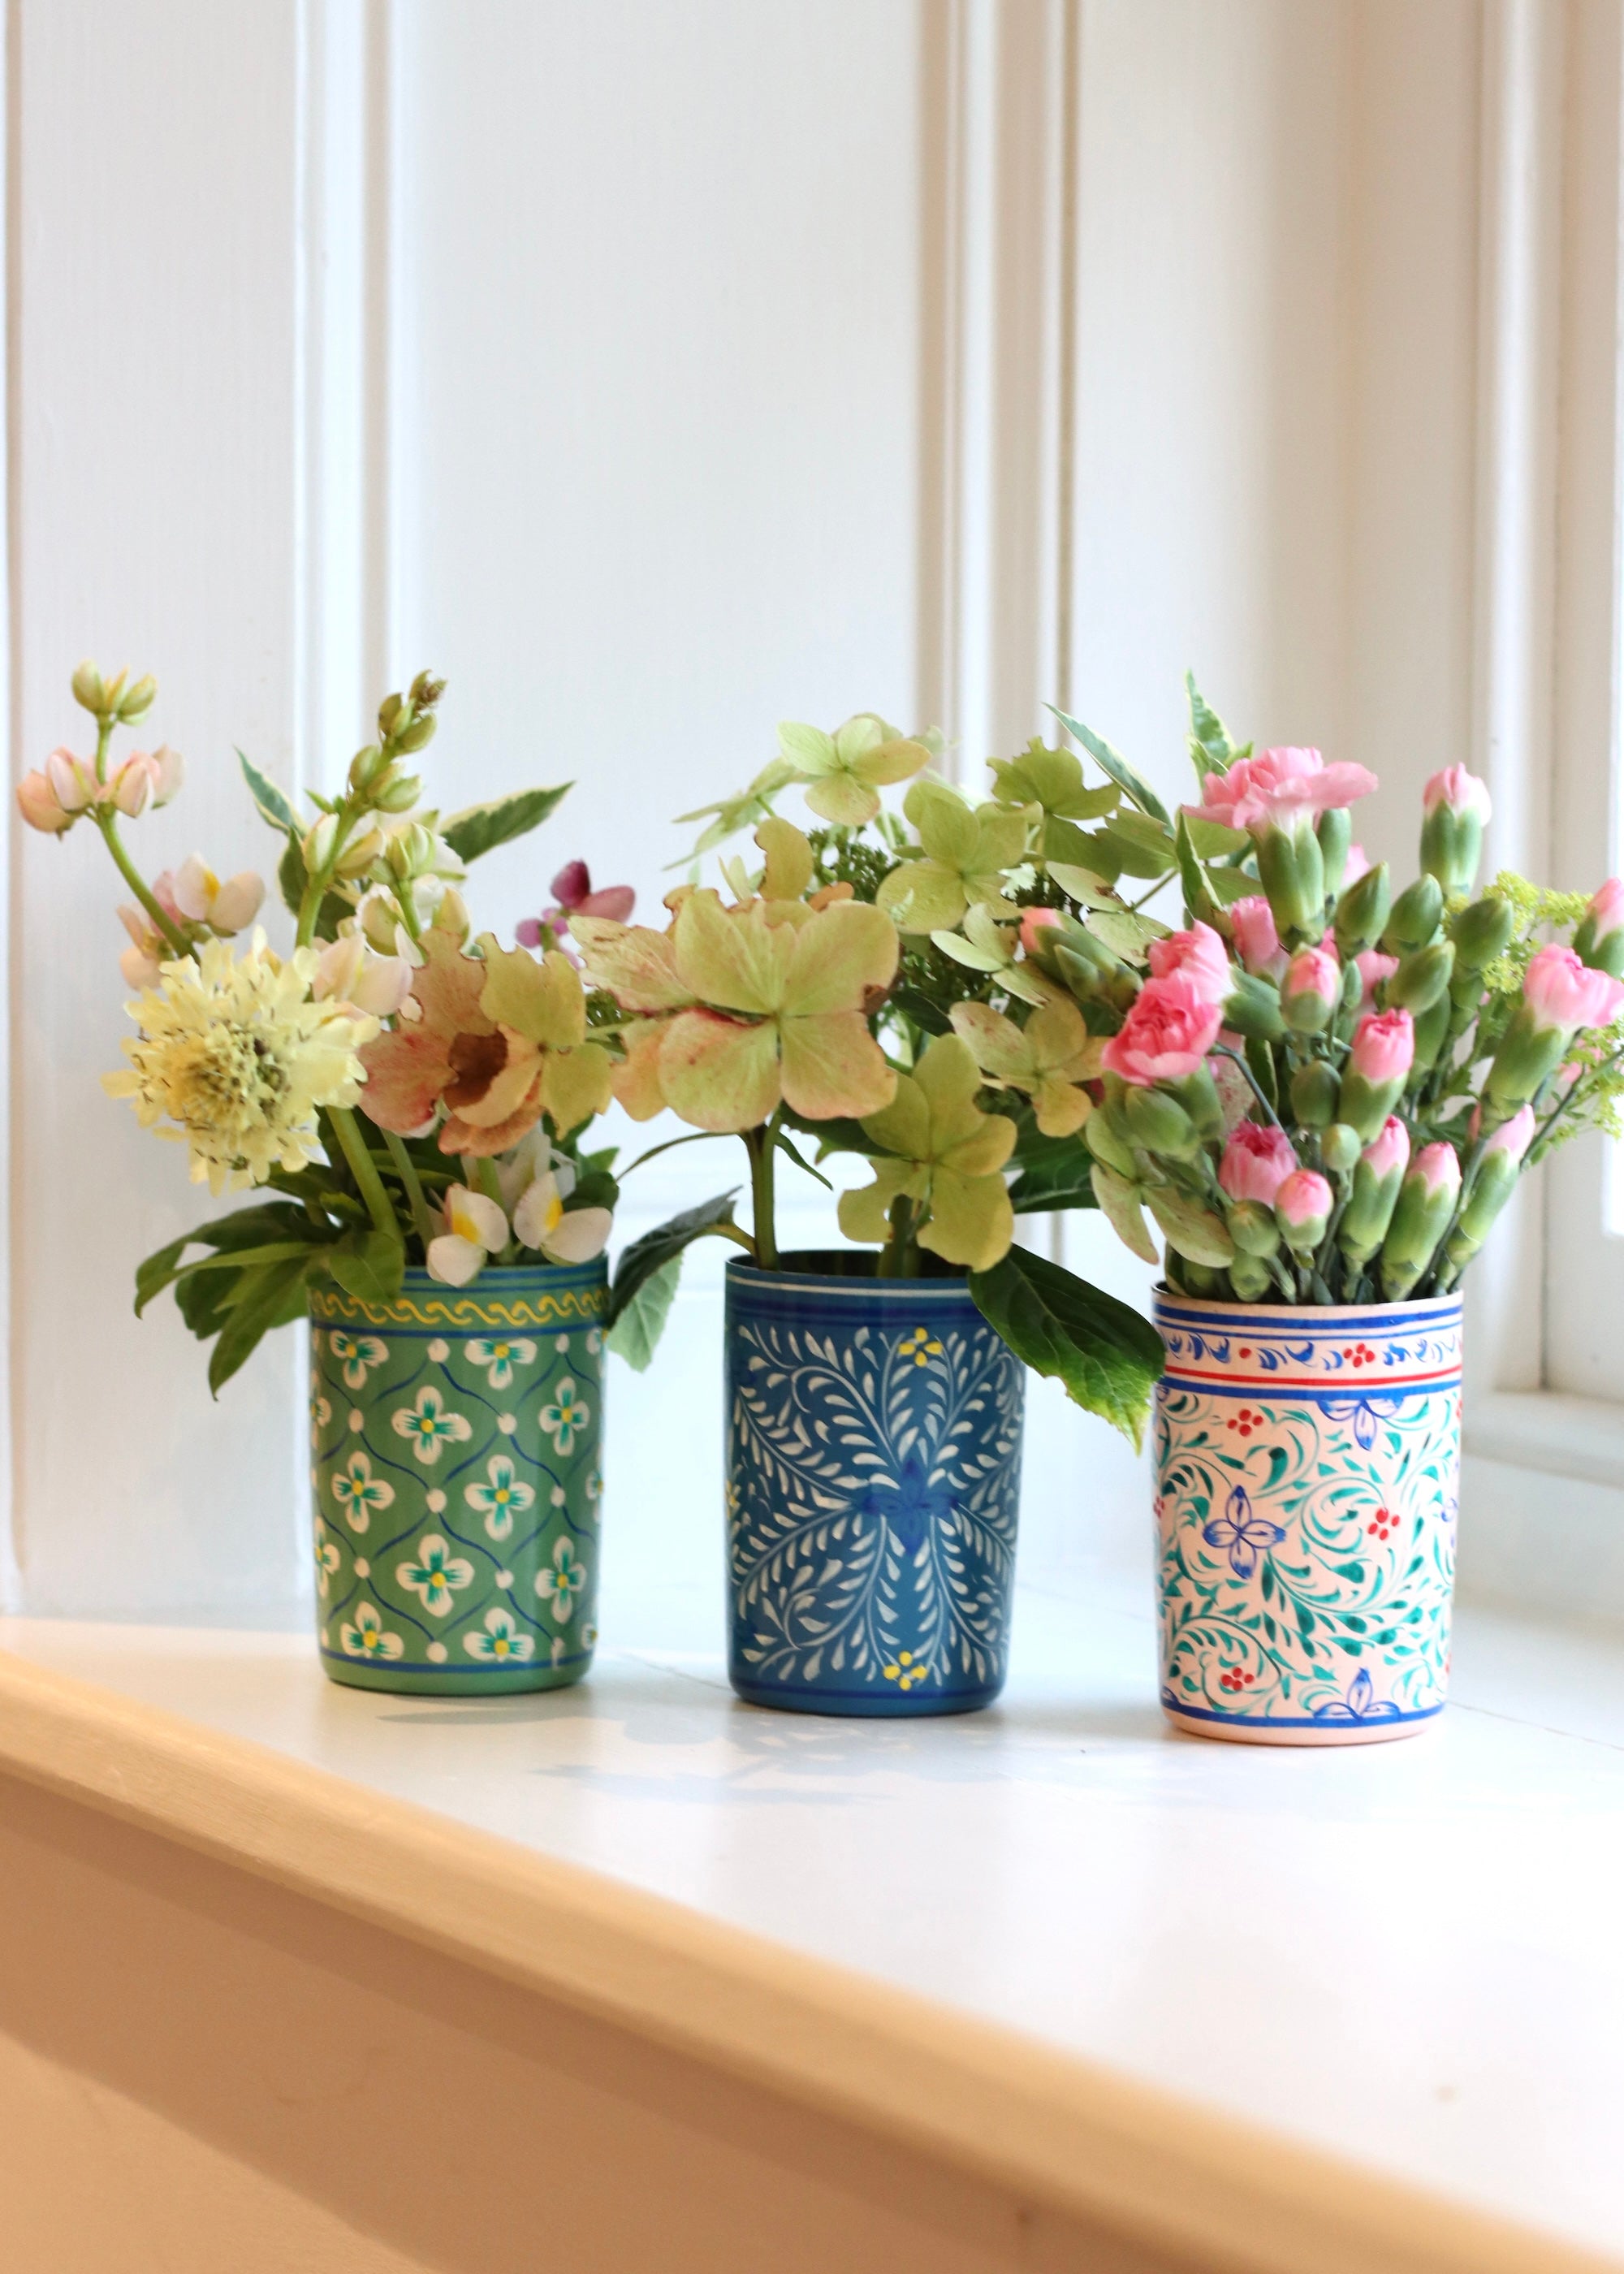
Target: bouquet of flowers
{"x": 408, "y": 1094}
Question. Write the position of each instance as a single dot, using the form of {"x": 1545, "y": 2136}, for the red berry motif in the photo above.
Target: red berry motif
{"x": 1361, "y": 1354}
{"x": 1245, "y": 1422}
{"x": 1383, "y": 1525}
{"x": 1234, "y": 1677}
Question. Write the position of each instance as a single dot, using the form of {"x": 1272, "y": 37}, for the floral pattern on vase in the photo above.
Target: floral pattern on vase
{"x": 1307, "y": 1487}
{"x": 456, "y": 1437}
{"x": 874, "y": 1432}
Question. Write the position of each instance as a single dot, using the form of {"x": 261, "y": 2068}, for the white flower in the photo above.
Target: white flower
{"x": 563, "y": 1582}
{"x": 536, "y": 1180}
{"x": 366, "y": 1638}
{"x": 357, "y": 1355}
{"x": 327, "y": 1559}
{"x": 501, "y": 1638}
{"x": 475, "y": 1229}
{"x": 358, "y": 1492}
{"x": 236, "y": 1055}
{"x": 436, "y": 1575}
{"x": 351, "y": 970}
{"x": 504, "y": 1497}
{"x": 200, "y": 896}
{"x": 498, "y": 1358}
{"x": 570, "y": 1414}
{"x": 429, "y": 1426}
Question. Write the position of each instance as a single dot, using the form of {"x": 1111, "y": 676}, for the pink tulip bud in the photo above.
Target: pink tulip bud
{"x": 1374, "y": 969}
{"x": 1201, "y": 955}
{"x": 38, "y": 804}
{"x": 1384, "y": 1047}
{"x": 1562, "y": 992}
{"x": 1461, "y": 792}
{"x": 1256, "y": 1162}
{"x": 1256, "y": 938}
{"x": 1389, "y": 1148}
{"x": 1439, "y": 1168}
{"x": 1167, "y": 1034}
{"x": 1513, "y": 1137}
{"x": 1034, "y": 921}
{"x": 1304, "y": 1205}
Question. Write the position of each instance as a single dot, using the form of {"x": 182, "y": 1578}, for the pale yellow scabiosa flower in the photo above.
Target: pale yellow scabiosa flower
{"x": 239, "y": 1058}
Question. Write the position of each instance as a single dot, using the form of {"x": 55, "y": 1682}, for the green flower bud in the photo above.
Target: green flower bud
{"x": 1340, "y": 1147}
{"x": 359, "y": 853}
{"x": 1200, "y": 1278}
{"x": 1197, "y": 1093}
{"x": 1482, "y": 930}
{"x": 1422, "y": 978}
{"x": 1495, "y": 1183}
{"x": 1157, "y": 1122}
{"x": 400, "y": 794}
{"x": 1417, "y": 913}
{"x": 1528, "y": 1055}
{"x": 319, "y": 844}
{"x": 1291, "y": 870}
{"x": 392, "y": 708}
{"x": 87, "y": 689}
{"x": 367, "y": 767}
{"x": 1365, "y": 1104}
{"x": 1250, "y": 1276}
{"x": 1254, "y": 1009}
{"x": 1456, "y": 805}
{"x": 1362, "y": 912}
{"x": 1426, "y": 1200}
{"x": 426, "y": 691}
{"x": 1314, "y": 1095}
{"x": 1254, "y": 1229}
{"x": 420, "y": 732}
{"x": 1334, "y": 831}
{"x": 137, "y": 701}
{"x": 1369, "y": 1211}
{"x": 1109, "y": 1142}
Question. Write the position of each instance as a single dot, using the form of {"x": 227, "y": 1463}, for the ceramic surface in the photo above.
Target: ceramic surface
{"x": 456, "y": 1474}
{"x": 874, "y": 1433}
{"x": 1307, "y": 1481}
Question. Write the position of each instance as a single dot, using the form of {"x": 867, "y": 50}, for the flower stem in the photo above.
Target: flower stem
{"x": 407, "y": 1170}
{"x": 364, "y": 1170}
{"x": 762, "y": 1145}
{"x": 107, "y": 823}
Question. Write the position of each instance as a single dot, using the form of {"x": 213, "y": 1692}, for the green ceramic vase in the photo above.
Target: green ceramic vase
{"x": 456, "y": 1473}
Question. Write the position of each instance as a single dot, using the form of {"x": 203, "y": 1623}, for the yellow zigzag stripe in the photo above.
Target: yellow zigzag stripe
{"x": 580, "y": 1307}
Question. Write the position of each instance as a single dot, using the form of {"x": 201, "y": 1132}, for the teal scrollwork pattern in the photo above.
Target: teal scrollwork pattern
{"x": 873, "y": 1453}
{"x": 455, "y": 1471}
{"x": 1307, "y": 1476}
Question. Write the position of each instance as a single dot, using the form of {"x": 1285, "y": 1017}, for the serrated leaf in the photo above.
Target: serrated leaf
{"x": 1105, "y": 1354}
{"x": 1135, "y": 860}
{"x": 1052, "y": 1173}
{"x": 644, "y": 1257}
{"x": 273, "y": 806}
{"x": 1120, "y": 772}
{"x": 1083, "y": 885}
{"x": 1119, "y": 1200}
{"x": 1210, "y": 746}
{"x": 1211, "y": 839}
{"x": 1197, "y": 1232}
{"x": 636, "y": 1334}
{"x": 479, "y": 829}
{"x": 1125, "y": 935}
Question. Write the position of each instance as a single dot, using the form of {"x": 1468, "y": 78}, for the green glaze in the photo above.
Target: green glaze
{"x": 456, "y": 1474}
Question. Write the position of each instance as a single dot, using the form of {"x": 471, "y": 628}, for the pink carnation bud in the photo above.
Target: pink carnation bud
{"x": 1561, "y": 991}
{"x": 1280, "y": 789}
{"x": 1304, "y": 1199}
{"x": 1034, "y": 921}
{"x": 1256, "y": 938}
{"x": 1461, "y": 792}
{"x": 38, "y": 803}
{"x": 1607, "y": 909}
{"x": 1201, "y": 955}
{"x": 1389, "y": 1148}
{"x": 1256, "y": 1162}
{"x": 1513, "y": 1137}
{"x": 1384, "y": 1047}
{"x": 1167, "y": 1034}
{"x": 1439, "y": 1168}
{"x": 1374, "y": 969}
{"x": 1313, "y": 971}
{"x": 1356, "y": 865}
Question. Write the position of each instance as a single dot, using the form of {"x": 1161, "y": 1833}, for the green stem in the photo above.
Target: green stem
{"x": 762, "y": 1145}
{"x": 893, "y": 1263}
{"x": 1222, "y": 1051}
{"x": 406, "y": 1169}
{"x": 164, "y": 925}
{"x": 364, "y": 1170}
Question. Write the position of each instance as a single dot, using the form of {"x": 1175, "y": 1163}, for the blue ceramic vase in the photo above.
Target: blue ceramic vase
{"x": 874, "y": 1433}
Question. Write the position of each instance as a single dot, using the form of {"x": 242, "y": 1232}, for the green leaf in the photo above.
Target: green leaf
{"x": 1230, "y": 884}
{"x": 153, "y": 1274}
{"x": 1120, "y": 772}
{"x": 273, "y": 807}
{"x": 644, "y": 1257}
{"x": 1210, "y": 746}
{"x": 1133, "y": 859}
{"x": 1107, "y": 1356}
{"x": 597, "y": 1188}
{"x": 1198, "y": 1234}
{"x": 1125, "y": 934}
{"x": 1088, "y": 889}
{"x": 292, "y": 878}
{"x": 1052, "y": 1173}
{"x": 1212, "y": 839}
{"x": 1120, "y": 1201}
{"x": 272, "y": 1295}
{"x": 270, "y": 1221}
{"x": 932, "y": 1017}
{"x": 479, "y": 828}
{"x": 368, "y": 1264}
{"x": 1191, "y": 875}
{"x": 636, "y": 1334}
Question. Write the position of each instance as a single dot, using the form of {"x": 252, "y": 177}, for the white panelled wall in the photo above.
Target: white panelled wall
{"x": 657, "y": 374}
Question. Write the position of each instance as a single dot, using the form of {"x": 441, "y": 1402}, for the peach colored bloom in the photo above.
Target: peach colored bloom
{"x": 1202, "y": 957}
{"x": 1280, "y": 787}
{"x": 1384, "y": 1047}
{"x": 1256, "y": 1162}
{"x": 1167, "y": 1034}
{"x": 1561, "y": 991}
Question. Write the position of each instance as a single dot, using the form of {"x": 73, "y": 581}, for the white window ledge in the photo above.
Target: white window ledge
{"x": 1542, "y": 1505}
{"x": 1240, "y": 2005}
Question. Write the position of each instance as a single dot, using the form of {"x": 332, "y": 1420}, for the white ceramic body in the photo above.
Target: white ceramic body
{"x": 1307, "y": 1489}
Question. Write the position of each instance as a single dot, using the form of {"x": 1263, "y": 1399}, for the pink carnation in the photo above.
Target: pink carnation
{"x": 1036, "y": 921}
{"x": 1384, "y": 1047}
{"x": 1313, "y": 971}
{"x": 1461, "y": 792}
{"x": 1279, "y": 788}
{"x": 1202, "y": 957}
{"x": 1167, "y": 1034}
{"x": 1374, "y": 969}
{"x": 1561, "y": 991}
{"x": 1439, "y": 1168}
{"x": 1607, "y": 909}
{"x": 1305, "y": 1198}
{"x": 1513, "y": 1137}
{"x": 1256, "y": 938}
{"x": 1256, "y": 1162}
{"x": 1356, "y": 865}
{"x": 1389, "y": 1148}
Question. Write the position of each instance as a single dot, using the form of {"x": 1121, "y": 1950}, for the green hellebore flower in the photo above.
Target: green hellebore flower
{"x": 966, "y": 852}
{"x": 846, "y": 769}
{"x": 945, "y": 1155}
{"x": 1047, "y": 1058}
